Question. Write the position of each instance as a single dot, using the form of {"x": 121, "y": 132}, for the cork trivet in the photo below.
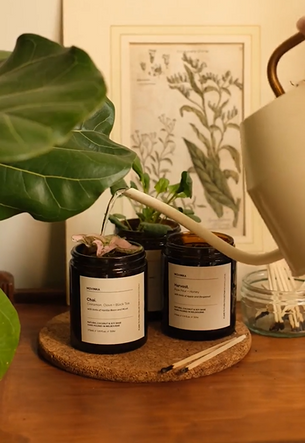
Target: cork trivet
{"x": 143, "y": 364}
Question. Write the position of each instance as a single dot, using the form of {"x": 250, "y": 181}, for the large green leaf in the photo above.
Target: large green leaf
{"x": 9, "y": 332}
{"x": 64, "y": 181}
{"x": 45, "y": 90}
{"x": 102, "y": 120}
{"x": 4, "y": 55}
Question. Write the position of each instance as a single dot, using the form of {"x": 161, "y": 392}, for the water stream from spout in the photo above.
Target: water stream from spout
{"x": 109, "y": 209}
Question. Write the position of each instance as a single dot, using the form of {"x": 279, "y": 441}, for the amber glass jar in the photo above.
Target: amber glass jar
{"x": 153, "y": 246}
{"x": 107, "y": 301}
{"x": 199, "y": 289}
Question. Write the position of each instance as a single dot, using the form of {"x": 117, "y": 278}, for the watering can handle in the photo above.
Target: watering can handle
{"x": 288, "y": 44}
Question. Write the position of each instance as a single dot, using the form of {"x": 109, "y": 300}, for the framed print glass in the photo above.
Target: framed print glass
{"x": 182, "y": 95}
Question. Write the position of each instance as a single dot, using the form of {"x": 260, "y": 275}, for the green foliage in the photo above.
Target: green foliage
{"x": 200, "y": 88}
{"x": 45, "y": 90}
{"x": 77, "y": 161}
{"x": 9, "y": 333}
{"x": 4, "y": 55}
{"x": 150, "y": 219}
{"x": 66, "y": 180}
{"x": 56, "y": 157}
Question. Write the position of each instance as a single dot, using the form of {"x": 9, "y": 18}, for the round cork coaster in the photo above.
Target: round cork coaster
{"x": 143, "y": 364}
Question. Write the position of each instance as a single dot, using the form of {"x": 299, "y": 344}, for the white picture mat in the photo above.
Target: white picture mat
{"x": 122, "y": 39}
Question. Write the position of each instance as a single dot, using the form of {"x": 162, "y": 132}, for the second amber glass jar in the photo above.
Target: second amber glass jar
{"x": 199, "y": 285}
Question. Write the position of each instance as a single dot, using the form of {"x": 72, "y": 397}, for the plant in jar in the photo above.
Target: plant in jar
{"x": 149, "y": 220}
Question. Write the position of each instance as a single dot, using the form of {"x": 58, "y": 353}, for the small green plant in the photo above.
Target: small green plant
{"x": 150, "y": 220}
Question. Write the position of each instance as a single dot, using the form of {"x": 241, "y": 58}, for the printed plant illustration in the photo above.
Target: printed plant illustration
{"x": 155, "y": 65}
{"x": 155, "y": 151}
{"x": 208, "y": 96}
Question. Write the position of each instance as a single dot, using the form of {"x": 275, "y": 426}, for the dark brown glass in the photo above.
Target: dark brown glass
{"x": 82, "y": 264}
{"x": 150, "y": 243}
{"x": 187, "y": 249}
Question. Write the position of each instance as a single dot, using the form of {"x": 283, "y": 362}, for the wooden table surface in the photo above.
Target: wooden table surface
{"x": 262, "y": 399}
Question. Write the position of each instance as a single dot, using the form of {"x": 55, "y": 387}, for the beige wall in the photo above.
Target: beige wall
{"x": 29, "y": 248}
{"x": 89, "y": 27}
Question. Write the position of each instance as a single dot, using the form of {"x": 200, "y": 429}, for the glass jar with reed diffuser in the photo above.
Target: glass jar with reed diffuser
{"x": 273, "y": 304}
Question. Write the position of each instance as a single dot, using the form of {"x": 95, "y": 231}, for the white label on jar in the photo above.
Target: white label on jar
{"x": 199, "y": 297}
{"x": 112, "y": 309}
{"x": 154, "y": 292}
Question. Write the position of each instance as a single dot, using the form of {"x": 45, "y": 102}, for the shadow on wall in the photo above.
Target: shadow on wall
{"x": 55, "y": 260}
{"x": 33, "y": 251}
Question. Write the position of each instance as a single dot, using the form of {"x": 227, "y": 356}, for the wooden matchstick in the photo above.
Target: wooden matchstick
{"x": 212, "y": 354}
{"x": 205, "y": 352}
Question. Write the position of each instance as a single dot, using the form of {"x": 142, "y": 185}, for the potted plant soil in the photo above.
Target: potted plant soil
{"x": 150, "y": 228}
{"x": 107, "y": 294}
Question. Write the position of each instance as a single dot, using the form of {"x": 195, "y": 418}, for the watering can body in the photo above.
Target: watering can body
{"x": 273, "y": 149}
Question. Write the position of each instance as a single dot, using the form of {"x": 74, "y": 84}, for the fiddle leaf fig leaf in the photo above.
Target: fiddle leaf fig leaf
{"x": 9, "y": 333}
{"x": 137, "y": 167}
{"x": 45, "y": 90}
{"x": 120, "y": 184}
{"x": 4, "y": 55}
{"x": 64, "y": 181}
{"x": 102, "y": 120}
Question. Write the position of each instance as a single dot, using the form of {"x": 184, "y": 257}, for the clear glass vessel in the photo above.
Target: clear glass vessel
{"x": 153, "y": 246}
{"x": 270, "y": 312}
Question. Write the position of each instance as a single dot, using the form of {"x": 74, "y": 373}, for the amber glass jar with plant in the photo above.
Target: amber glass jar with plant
{"x": 150, "y": 228}
{"x": 107, "y": 294}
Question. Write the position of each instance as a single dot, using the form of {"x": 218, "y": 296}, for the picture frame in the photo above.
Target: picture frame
{"x": 236, "y": 46}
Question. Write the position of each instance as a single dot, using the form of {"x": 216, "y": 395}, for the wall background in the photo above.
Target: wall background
{"x": 29, "y": 249}
{"x": 87, "y": 24}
